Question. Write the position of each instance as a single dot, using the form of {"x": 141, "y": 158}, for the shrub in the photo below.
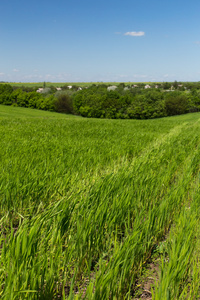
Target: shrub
{"x": 63, "y": 103}
{"x": 176, "y": 104}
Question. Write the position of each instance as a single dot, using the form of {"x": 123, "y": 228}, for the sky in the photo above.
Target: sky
{"x": 99, "y": 41}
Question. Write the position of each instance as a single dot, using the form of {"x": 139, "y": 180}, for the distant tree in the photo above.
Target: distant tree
{"x": 18, "y": 98}
{"x": 63, "y": 103}
{"x": 53, "y": 89}
{"x": 74, "y": 87}
{"x": 46, "y": 91}
{"x": 166, "y": 85}
{"x": 175, "y": 84}
{"x": 176, "y": 104}
{"x": 65, "y": 87}
{"x": 121, "y": 85}
{"x": 7, "y": 88}
{"x": 5, "y": 92}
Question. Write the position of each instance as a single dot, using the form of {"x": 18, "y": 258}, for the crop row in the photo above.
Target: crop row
{"x": 85, "y": 203}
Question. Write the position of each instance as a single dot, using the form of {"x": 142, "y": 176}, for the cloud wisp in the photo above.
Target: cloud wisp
{"x": 135, "y": 33}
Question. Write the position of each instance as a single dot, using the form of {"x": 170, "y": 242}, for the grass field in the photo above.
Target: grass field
{"x": 93, "y": 208}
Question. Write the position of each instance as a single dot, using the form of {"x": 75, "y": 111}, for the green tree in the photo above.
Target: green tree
{"x": 63, "y": 103}
{"x": 176, "y": 104}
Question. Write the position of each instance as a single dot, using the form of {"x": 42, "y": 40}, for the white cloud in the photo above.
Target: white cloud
{"x": 134, "y": 33}
{"x": 197, "y": 42}
{"x": 31, "y": 77}
{"x": 15, "y": 70}
{"x": 123, "y": 76}
{"x": 140, "y": 76}
{"x": 2, "y": 74}
{"x": 37, "y": 77}
{"x": 49, "y": 76}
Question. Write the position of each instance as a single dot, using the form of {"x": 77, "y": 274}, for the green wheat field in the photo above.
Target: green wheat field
{"x": 88, "y": 205}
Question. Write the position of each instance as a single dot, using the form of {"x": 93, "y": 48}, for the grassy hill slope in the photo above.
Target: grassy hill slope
{"x": 87, "y": 204}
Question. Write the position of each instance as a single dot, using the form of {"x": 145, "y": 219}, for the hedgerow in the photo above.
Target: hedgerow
{"x": 99, "y": 102}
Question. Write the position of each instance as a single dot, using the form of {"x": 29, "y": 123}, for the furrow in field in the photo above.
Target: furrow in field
{"x": 95, "y": 238}
{"x": 149, "y": 205}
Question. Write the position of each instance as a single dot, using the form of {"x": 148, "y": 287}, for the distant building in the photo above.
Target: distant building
{"x": 40, "y": 90}
{"x": 147, "y": 86}
{"x": 112, "y": 88}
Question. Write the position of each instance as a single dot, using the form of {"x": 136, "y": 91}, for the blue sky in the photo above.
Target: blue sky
{"x": 89, "y": 41}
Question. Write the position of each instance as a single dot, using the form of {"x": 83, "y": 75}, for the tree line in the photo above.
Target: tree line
{"x": 97, "y": 101}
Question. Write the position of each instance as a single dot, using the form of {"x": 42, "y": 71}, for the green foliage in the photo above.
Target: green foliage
{"x": 5, "y": 91}
{"x": 144, "y": 104}
{"x": 63, "y": 103}
{"x": 6, "y": 88}
{"x": 176, "y": 104}
{"x": 96, "y": 101}
{"x": 32, "y": 99}
{"x": 166, "y": 85}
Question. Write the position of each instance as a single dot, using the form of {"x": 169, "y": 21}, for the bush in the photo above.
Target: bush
{"x": 176, "y": 104}
{"x": 63, "y": 103}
